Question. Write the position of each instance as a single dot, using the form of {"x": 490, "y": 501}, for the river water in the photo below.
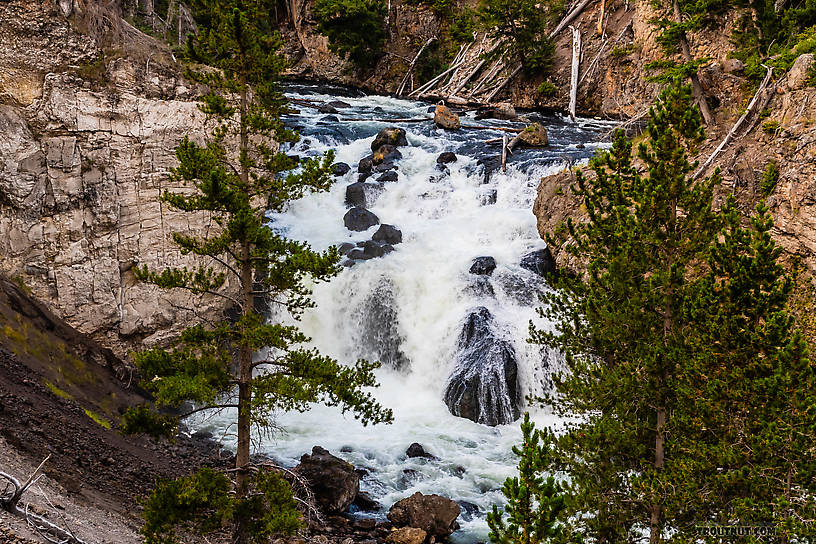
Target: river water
{"x": 409, "y": 306}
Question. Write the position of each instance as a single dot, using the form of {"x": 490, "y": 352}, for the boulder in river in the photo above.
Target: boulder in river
{"x": 345, "y": 247}
{"x": 372, "y": 249}
{"x": 540, "y": 262}
{"x": 388, "y": 234}
{"x": 445, "y": 118}
{"x": 416, "y": 450}
{"x": 333, "y": 481}
{"x": 389, "y": 136}
{"x": 446, "y": 157}
{"x": 361, "y": 194}
{"x": 406, "y": 535}
{"x": 386, "y": 153}
{"x": 365, "y": 503}
{"x": 483, "y": 386}
{"x": 365, "y": 165}
{"x": 534, "y": 135}
{"x": 502, "y": 110}
{"x": 391, "y": 175}
{"x": 340, "y": 169}
{"x": 339, "y": 104}
{"x": 434, "y": 514}
{"x": 325, "y": 108}
{"x": 483, "y": 266}
{"x": 359, "y": 219}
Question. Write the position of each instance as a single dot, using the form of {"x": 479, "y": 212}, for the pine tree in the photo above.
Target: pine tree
{"x": 676, "y": 340}
{"x": 244, "y": 363}
{"x": 520, "y": 28}
{"x": 533, "y": 501}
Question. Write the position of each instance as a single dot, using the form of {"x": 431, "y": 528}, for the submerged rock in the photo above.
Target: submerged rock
{"x": 446, "y": 157}
{"x": 340, "y": 169}
{"x": 434, "y": 514}
{"x": 391, "y": 175}
{"x": 540, "y": 262}
{"x": 359, "y": 219}
{"x": 345, "y": 247}
{"x": 483, "y": 266}
{"x": 333, "y": 481}
{"x": 339, "y": 104}
{"x": 389, "y": 136}
{"x": 483, "y": 386}
{"x": 445, "y": 118}
{"x": 416, "y": 450}
{"x": 381, "y": 338}
{"x": 361, "y": 194}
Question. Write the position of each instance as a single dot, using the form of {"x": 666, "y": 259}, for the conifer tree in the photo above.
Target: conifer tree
{"x": 244, "y": 363}
{"x": 677, "y": 342}
{"x": 519, "y": 27}
{"x": 533, "y": 500}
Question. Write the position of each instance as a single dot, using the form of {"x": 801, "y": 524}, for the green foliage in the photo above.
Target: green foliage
{"x": 61, "y": 393}
{"x": 770, "y": 127}
{"x": 547, "y": 89}
{"x": 533, "y": 501}
{"x": 442, "y": 8}
{"x": 769, "y": 179}
{"x": 99, "y": 420}
{"x": 620, "y": 51}
{"x": 680, "y": 356}
{"x": 355, "y": 28}
{"x": 520, "y": 26}
{"x": 204, "y": 502}
{"x": 244, "y": 362}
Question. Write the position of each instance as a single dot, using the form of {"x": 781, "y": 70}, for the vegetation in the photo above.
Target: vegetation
{"x": 533, "y": 501}
{"x": 521, "y": 28}
{"x": 769, "y": 179}
{"x": 547, "y": 89}
{"x": 355, "y": 28}
{"x": 692, "y": 384}
{"x": 99, "y": 420}
{"x": 244, "y": 364}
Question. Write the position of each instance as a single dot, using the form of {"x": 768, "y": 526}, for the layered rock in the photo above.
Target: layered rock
{"x": 333, "y": 481}
{"x": 82, "y": 166}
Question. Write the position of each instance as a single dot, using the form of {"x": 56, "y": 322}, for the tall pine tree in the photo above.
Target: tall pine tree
{"x": 676, "y": 339}
{"x": 244, "y": 363}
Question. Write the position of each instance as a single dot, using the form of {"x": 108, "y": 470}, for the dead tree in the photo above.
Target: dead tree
{"x": 410, "y": 71}
{"x": 576, "y": 61}
{"x": 10, "y": 498}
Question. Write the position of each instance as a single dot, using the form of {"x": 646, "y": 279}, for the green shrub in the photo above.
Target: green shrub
{"x": 547, "y": 89}
{"x": 770, "y": 127}
{"x": 355, "y": 28}
{"x": 620, "y": 52}
{"x": 769, "y": 179}
{"x": 97, "y": 418}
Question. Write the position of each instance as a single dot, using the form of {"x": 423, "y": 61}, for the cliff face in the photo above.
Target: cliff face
{"x": 89, "y": 138}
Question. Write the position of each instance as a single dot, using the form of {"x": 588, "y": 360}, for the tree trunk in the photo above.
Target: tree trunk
{"x": 696, "y": 88}
{"x": 241, "y": 535}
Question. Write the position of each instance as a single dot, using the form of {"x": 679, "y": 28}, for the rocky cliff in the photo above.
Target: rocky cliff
{"x": 88, "y": 140}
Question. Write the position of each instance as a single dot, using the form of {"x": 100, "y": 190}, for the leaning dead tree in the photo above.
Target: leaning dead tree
{"x": 11, "y": 497}
{"x": 576, "y": 62}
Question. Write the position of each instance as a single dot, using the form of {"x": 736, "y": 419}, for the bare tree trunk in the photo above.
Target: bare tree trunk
{"x": 696, "y": 88}
{"x": 600, "y": 29}
{"x": 576, "y": 62}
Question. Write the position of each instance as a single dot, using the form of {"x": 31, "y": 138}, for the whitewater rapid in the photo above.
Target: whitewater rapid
{"x": 423, "y": 289}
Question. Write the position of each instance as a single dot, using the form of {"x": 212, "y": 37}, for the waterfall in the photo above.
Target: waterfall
{"x": 449, "y": 340}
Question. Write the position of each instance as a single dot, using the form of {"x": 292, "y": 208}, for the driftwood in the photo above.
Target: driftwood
{"x": 576, "y": 61}
{"x": 468, "y": 78}
{"x": 497, "y": 67}
{"x": 10, "y": 498}
{"x": 484, "y": 127}
{"x": 600, "y": 29}
{"x": 366, "y": 120}
{"x": 504, "y": 153}
{"x": 751, "y": 106}
{"x": 410, "y": 71}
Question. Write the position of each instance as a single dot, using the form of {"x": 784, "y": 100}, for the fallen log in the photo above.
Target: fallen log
{"x": 500, "y": 87}
{"x": 412, "y": 65}
{"x": 569, "y": 18}
{"x": 576, "y": 61}
{"x": 429, "y": 85}
{"x": 751, "y": 106}
{"x": 504, "y": 153}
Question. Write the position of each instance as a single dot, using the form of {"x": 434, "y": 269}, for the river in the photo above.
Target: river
{"x": 408, "y": 307}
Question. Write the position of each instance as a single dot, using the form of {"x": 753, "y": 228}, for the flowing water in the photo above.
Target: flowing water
{"x": 408, "y": 308}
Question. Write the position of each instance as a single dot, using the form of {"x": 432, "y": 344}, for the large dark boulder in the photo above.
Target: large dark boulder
{"x": 483, "y": 266}
{"x": 434, "y": 514}
{"x": 333, "y": 481}
{"x": 483, "y": 386}
{"x": 388, "y": 234}
{"x": 359, "y": 219}
{"x": 361, "y": 194}
{"x": 381, "y": 338}
{"x": 372, "y": 249}
{"x": 391, "y": 175}
{"x": 389, "y": 136}
{"x": 386, "y": 154}
{"x": 540, "y": 262}
{"x": 365, "y": 165}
